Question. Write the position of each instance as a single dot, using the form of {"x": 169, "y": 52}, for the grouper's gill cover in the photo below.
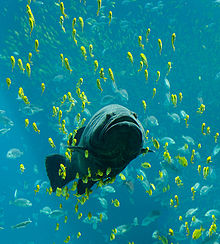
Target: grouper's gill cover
{"x": 113, "y": 137}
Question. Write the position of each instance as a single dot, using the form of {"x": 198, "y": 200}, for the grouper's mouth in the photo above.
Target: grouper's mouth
{"x": 123, "y": 136}
{"x": 123, "y": 120}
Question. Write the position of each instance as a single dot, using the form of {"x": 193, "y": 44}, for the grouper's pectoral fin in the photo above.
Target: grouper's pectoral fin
{"x": 81, "y": 187}
{"x": 52, "y": 164}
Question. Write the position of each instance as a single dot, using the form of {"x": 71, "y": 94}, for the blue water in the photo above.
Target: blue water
{"x": 195, "y": 73}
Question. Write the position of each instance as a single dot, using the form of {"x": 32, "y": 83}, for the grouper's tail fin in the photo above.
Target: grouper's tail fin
{"x": 52, "y": 164}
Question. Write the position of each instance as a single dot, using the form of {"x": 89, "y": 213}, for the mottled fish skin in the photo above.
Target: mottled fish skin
{"x": 113, "y": 137}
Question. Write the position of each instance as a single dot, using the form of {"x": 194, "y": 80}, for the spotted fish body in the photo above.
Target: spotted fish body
{"x": 113, "y": 137}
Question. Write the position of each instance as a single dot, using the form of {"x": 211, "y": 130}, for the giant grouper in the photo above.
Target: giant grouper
{"x": 107, "y": 144}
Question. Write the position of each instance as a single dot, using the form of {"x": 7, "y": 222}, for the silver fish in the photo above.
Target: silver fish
{"x": 21, "y": 202}
{"x": 22, "y": 224}
{"x": 56, "y": 214}
{"x": 14, "y": 153}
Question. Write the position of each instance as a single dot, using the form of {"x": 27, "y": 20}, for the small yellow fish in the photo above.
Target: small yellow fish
{"x": 26, "y": 121}
{"x": 66, "y": 61}
{"x": 42, "y": 88}
{"x": 99, "y": 6}
{"x": 208, "y": 160}
{"x": 193, "y": 192}
{"x": 158, "y": 76}
{"x": 146, "y": 165}
{"x": 182, "y": 160}
{"x": 171, "y": 233}
{"x": 67, "y": 239}
{"x": 78, "y": 235}
{"x": 25, "y": 99}
{"x": 122, "y": 176}
{"x": 130, "y": 57}
{"x": 108, "y": 171}
{"x": 155, "y": 143}
{"x": 20, "y": 65}
{"x": 140, "y": 42}
{"x": 31, "y": 23}
{"x": 30, "y": 14}
{"x": 110, "y": 17}
{"x": 154, "y": 92}
{"x": 35, "y": 128}
{"x": 50, "y": 190}
{"x": 65, "y": 219}
{"x": 28, "y": 68}
{"x": 141, "y": 67}
{"x": 96, "y": 64}
{"x": 12, "y": 62}
{"x": 99, "y": 85}
{"x": 116, "y": 203}
{"x": 160, "y": 46}
{"x": 36, "y": 45}
{"x": 147, "y": 34}
{"x": 73, "y": 23}
{"x": 57, "y": 227}
{"x": 112, "y": 236}
{"x": 74, "y": 36}
{"x": 83, "y": 50}
{"x": 22, "y": 168}
{"x": 21, "y": 92}
{"x": 216, "y": 137}
{"x": 180, "y": 97}
{"x": 146, "y": 74}
{"x": 174, "y": 99}
{"x": 144, "y": 105}
{"x": 62, "y": 59}
{"x": 173, "y": 38}
{"x": 177, "y": 201}
{"x": 8, "y": 81}
{"x": 81, "y": 22}
{"x": 29, "y": 58}
{"x": 89, "y": 215}
{"x": 140, "y": 177}
{"x": 86, "y": 154}
{"x": 50, "y": 140}
{"x": 91, "y": 50}
{"x": 102, "y": 75}
{"x": 202, "y": 128}
{"x": 186, "y": 120}
{"x": 62, "y": 9}
{"x": 61, "y": 23}
{"x": 100, "y": 217}
{"x": 144, "y": 59}
{"x": 79, "y": 215}
{"x": 197, "y": 233}
{"x": 110, "y": 72}
{"x": 169, "y": 68}
{"x": 37, "y": 189}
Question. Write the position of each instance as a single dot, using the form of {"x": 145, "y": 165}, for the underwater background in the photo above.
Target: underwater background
{"x": 176, "y": 200}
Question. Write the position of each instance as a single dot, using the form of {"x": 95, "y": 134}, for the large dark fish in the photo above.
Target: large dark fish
{"x": 113, "y": 137}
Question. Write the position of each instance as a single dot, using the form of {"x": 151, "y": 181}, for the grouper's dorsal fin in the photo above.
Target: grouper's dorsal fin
{"x": 78, "y": 135}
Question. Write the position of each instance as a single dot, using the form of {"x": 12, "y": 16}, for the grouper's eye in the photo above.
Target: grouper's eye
{"x": 108, "y": 116}
{"x": 135, "y": 115}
